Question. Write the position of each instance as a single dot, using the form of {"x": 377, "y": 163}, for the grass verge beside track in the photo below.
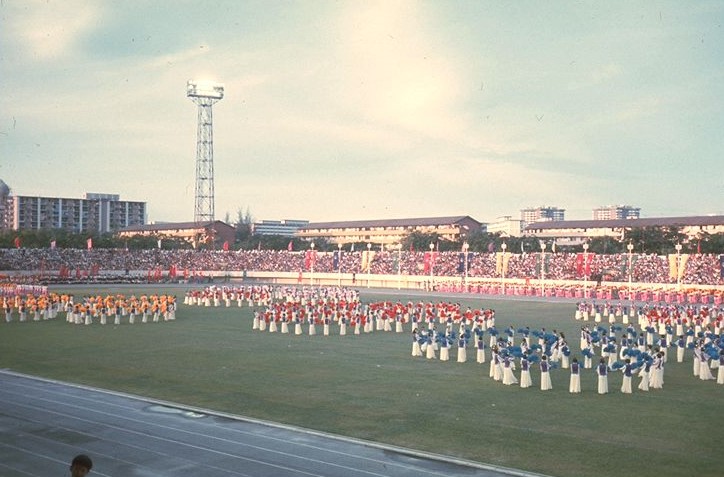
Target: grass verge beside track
{"x": 369, "y": 387}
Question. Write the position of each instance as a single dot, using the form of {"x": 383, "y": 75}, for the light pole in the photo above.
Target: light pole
{"x": 678, "y": 266}
{"x": 585, "y": 270}
{"x": 502, "y": 269}
{"x": 432, "y": 263}
{"x": 466, "y": 247}
{"x": 542, "y": 268}
{"x": 368, "y": 264}
{"x": 399, "y": 265}
{"x": 311, "y": 264}
{"x": 339, "y": 264}
{"x": 630, "y": 248}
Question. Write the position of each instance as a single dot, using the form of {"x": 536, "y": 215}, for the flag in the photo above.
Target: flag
{"x": 17, "y": 242}
{"x": 428, "y": 262}
{"x": 364, "y": 260}
{"x": 226, "y": 246}
{"x": 461, "y": 262}
{"x": 290, "y": 245}
{"x": 310, "y": 258}
{"x": 159, "y": 244}
{"x": 673, "y": 267}
{"x": 89, "y": 243}
{"x": 52, "y": 244}
{"x": 506, "y": 259}
{"x": 579, "y": 264}
{"x": 336, "y": 259}
{"x": 589, "y": 263}
{"x": 367, "y": 257}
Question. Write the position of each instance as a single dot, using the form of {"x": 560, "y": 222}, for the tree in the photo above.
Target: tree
{"x": 244, "y": 222}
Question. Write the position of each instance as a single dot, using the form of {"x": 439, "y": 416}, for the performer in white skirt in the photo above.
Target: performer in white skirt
{"x": 704, "y": 369}
{"x": 508, "y": 376}
{"x": 627, "y": 373}
{"x": 416, "y": 350}
{"x": 680, "y": 348}
{"x": 493, "y": 361}
{"x": 545, "y": 376}
{"x": 720, "y": 371}
{"x": 462, "y": 352}
{"x": 525, "y": 381}
{"x": 444, "y": 348}
{"x": 480, "y": 352}
{"x": 429, "y": 347}
{"x": 644, "y": 375}
{"x": 602, "y": 372}
{"x": 575, "y": 383}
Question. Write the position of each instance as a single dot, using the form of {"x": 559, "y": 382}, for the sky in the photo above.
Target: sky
{"x": 362, "y": 110}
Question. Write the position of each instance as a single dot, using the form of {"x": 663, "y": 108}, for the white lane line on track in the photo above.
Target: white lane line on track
{"x": 38, "y": 456}
{"x": 269, "y": 424}
{"x": 233, "y": 442}
{"x": 198, "y": 447}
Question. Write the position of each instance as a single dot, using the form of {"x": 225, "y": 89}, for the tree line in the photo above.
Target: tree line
{"x": 647, "y": 240}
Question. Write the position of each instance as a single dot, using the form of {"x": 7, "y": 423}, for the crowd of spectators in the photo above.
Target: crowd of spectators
{"x": 700, "y": 269}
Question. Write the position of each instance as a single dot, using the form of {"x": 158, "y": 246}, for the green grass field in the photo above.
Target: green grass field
{"x": 369, "y": 387}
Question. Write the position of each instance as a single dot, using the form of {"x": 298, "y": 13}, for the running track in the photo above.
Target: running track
{"x": 44, "y": 423}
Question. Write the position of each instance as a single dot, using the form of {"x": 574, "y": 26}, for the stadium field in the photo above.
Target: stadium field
{"x": 368, "y": 386}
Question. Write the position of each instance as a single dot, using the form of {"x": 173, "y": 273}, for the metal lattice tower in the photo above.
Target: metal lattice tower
{"x": 204, "y": 95}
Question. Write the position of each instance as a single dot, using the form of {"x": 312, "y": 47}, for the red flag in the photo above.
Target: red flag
{"x": 579, "y": 264}
{"x": 89, "y": 243}
{"x": 226, "y": 246}
{"x": 17, "y": 242}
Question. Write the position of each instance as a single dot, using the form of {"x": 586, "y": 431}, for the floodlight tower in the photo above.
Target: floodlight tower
{"x": 205, "y": 94}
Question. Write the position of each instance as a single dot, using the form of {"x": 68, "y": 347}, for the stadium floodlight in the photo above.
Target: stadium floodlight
{"x": 204, "y": 94}
{"x": 204, "y": 89}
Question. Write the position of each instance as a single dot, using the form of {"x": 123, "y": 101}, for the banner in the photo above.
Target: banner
{"x": 682, "y": 265}
{"x": 428, "y": 262}
{"x": 544, "y": 264}
{"x": 310, "y": 259}
{"x": 367, "y": 257}
{"x": 673, "y": 267}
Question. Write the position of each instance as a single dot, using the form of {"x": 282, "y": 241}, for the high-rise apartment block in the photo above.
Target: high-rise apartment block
{"x": 616, "y": 212}
{"x": 542, "y": 214}
{"x": 96, "y": 213}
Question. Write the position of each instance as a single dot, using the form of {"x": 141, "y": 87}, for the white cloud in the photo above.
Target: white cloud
{"x": 46, "y": 30}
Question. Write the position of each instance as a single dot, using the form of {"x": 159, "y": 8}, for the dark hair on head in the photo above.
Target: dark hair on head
{"x": 82, "y": 460}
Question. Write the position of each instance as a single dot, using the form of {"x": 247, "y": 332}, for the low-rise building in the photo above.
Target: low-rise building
{"x": 389, "y": 231}
{"x": 213, "y": 232}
